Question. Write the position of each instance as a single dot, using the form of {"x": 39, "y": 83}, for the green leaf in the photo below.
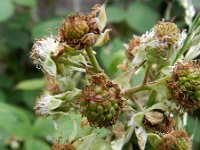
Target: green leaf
{"x": 73, "y": 134}
{"x": 29, "y": 97}
{"x": 16, "y": 38}
{"x": 34, "y": 144}
{"x": 138, "y": 118}
{"x": 27, "y": 3}
{"x": 84, "y": 142}
{"x": 32, "y": 84}
{"x": 14, "y": 121}
{"x": 115, "y": 14}
{"x": 6, "y": 81}
{"x": 100, "y": 144}
{"x": 6, "y": 10}
{"x": 193, "y": 128}
{"x": 196, "y": 3}
{"x": 137, "y": 17}
{"x": 154, "y": 139}
{"x": 43, "y": 127}
{"x": 160, "y": 106}
{"x": 138, "y": 77}
{"x": 41, "y": 29}
{"x": 2, "y": 96}
{"x": 116, "y": 59}
{"x": 108, "y": 52}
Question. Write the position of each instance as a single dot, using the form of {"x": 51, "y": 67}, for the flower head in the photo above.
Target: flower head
{"x": 41, "y": 54}
{"x": 185, "y": 85}
{"x": 46, "y": 103}
{"x": 167, "y": 32}
{"x": 160, "y": 43}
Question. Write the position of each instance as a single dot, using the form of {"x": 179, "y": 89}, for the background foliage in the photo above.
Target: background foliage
{"x": 21, "y": 21}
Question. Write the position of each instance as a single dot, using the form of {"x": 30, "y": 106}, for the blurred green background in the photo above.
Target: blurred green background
{"x": 21, "y": 21}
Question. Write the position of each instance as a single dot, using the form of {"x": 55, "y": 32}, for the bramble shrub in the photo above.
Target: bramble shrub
{"x": 116, "y": 111}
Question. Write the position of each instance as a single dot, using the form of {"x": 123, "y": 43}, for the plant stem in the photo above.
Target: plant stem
{"x": 136, "y": 89}
{"x": 90, "y": 130}
{"x": 148, "y": 86}
{"x": 93, "y": 60}
{"x": 186, "y": 41}
{"x": 137, "y": 105}
{"x": 146, "y": 74}
{"x": 183, "y": 48}
{"x": 70, "y": 62}
{"x": 152, "y": 98}
{"x": 74, "y": 63}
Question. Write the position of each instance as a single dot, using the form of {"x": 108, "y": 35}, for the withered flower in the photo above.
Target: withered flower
{"x": 81, "y": 30}
{"x": 132, "y": 47}
{"x": 161, "y": 42}
{"x": 158, "y": 122}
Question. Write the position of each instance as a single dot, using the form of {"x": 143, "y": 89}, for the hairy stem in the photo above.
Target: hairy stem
{"x": 136, "y": 89}
{"x": 93, "y": 60}
{"x": 146, "y": 74}
{"x": 148, "y": 86}
{"x": 152, "y": 98}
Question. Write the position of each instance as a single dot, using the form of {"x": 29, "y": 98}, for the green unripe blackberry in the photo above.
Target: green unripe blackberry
{"x": 175, "y": 140}
{"x": 101, "y": 101}
{"x": 185, "y": 85}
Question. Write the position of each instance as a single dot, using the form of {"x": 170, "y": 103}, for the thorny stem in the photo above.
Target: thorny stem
{"x": 93, "y": 60}
{"x": 146, "y": 74}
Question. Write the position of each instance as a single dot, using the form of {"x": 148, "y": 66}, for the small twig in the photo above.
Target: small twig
{"x": 137, "y": 105}
{"x": 146, "y": 74}
{"x": 93, "y": 60}
{"x": 136, "y": 89}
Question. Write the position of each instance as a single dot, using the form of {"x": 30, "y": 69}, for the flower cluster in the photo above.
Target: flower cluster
{"x": 114, "y": 104}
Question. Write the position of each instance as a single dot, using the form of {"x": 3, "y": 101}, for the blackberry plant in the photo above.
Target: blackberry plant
{"x": 155, "y": 110}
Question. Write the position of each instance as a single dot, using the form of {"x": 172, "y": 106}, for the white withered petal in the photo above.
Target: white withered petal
{"x": 41, "y": 54}
{"x": 46, "y": 103}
